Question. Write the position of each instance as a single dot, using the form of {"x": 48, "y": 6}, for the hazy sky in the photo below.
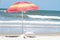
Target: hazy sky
{"x": 43, "y": 4}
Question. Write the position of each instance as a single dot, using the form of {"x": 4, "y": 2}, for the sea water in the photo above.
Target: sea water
{"x": 41, "y": 21}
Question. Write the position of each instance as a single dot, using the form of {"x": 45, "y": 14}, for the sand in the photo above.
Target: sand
{"x": 40, "y": 37}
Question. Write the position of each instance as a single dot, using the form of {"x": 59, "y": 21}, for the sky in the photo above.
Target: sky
{"x": 42, "y": 4}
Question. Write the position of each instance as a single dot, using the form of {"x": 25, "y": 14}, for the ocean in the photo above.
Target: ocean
{"x": 40, "y": 21}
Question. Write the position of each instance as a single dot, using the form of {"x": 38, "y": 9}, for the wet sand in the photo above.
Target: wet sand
{"x": 42, "y": 34}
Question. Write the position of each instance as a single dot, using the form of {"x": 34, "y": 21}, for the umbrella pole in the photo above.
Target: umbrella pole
{"x": 22, "y": 23}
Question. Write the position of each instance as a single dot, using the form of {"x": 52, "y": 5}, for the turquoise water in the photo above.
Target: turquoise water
{"x": 45, "y": 15}
{"x": 18, "y": 16}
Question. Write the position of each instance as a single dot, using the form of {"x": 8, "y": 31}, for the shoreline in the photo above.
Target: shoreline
{"x": 47, "y": 34}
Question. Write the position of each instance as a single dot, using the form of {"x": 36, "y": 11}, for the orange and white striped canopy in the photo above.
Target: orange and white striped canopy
{"x": 22, "y": 7}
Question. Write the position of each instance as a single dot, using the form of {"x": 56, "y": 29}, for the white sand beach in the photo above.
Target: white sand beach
{"x": 36, "y": 38}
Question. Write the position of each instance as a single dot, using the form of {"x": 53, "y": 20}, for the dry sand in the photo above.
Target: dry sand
{"x": 38, "y": 37}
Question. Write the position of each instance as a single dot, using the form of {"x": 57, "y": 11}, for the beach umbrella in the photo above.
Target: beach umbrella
{"x": 22, "y": 7}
